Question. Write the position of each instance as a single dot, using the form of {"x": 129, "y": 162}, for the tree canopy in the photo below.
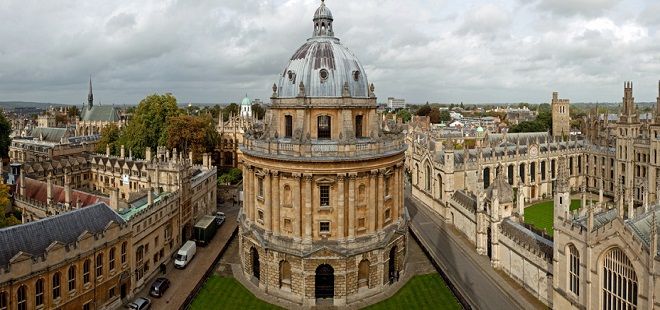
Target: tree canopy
{"x": 258, "y": 111}
{"x": 147, "y": 128}
{"x": 404, "y": 115}
{"x": 5, "y": 141}
{"x": 5, "y": 203}
{"x": 109, "y": 136}
{"x": 189, "y": 133}
{"x": 543, "y": 121}
{"x": 232, "y": 108}
{"x": 230, "y": 177}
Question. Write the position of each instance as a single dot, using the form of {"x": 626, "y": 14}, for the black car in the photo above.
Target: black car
{"x": 159, "y": 287}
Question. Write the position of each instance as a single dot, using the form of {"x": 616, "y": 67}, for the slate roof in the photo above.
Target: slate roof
{"x": 35, "y": 237}
{"x": 641, "y": 226}
{"x": 504, "y": 189}
{"x": 49, "y": 134}
{"x": 101, "y": 113}
{"x": 527, "y": 237}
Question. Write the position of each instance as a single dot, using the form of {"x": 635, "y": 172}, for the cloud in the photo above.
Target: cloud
{"x": 210, "y": 51}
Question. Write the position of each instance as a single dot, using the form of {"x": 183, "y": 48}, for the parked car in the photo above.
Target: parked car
{"x": 159, "y": 287}
{"x": 219, "y": 218}
{"x": 139, "y": 303}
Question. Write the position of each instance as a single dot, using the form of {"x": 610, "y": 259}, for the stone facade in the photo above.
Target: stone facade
{"x": 604, "y": 256}
{"x": 323, "y": 215}
{"x": 561, "y": 118}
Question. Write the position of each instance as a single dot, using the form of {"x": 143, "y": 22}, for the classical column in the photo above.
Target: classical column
{"x": 247, "y": 193}
{"x": 297, "y": 218}
{"x": 372, "y": 200}
{"x": 381, "y": 199}
{"x": 308, "y": 208}
{"x": 340, "y": 206}
{"x": 267, "y": 202}
{"x": 394, "y": 210}
{"x": 275, "y": 202}
{"x": 351, "y": 205}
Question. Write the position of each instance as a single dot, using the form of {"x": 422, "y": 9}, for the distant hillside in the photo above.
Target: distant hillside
{"x": 27, "y": 104}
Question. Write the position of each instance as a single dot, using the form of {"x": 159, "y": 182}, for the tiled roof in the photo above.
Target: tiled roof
{"x": 49, "y": 134}
{"x": 37, "y": 190}
{"x": 35, "y": 237}
{"x": 101, "y": 113}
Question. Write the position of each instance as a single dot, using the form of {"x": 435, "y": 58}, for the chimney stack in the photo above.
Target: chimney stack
{"x": 122, "y": 151}
{"x": 49, "y": 188}
{"x": 22, "y": 180}
{"x": 67, "y": 188}
{"x": 190, "y": 157}
{"x": 107, "y": 150}
{"x": 114, "y": 198}
{"x": 147, "y": 154}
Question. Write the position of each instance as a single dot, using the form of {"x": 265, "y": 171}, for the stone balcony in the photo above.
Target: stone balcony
{"x": 320, "y": 150}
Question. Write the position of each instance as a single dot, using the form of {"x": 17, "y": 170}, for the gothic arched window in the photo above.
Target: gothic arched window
{"x": 619, "y": 281}
{"x": 574, "y": 270}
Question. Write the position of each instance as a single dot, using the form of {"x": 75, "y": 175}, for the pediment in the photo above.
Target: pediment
{"x": 325, "y": 181}
{"x": 19, "y": 257}
{"x": 324, "y": 252}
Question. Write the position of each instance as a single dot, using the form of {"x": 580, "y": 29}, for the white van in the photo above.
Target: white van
{"x": 185, "y": 254}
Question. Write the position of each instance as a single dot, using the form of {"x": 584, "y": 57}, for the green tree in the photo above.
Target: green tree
{"x": 5, "y": 141}
{"x": 258, "y": 111}
{"x": 5, "y": 203}
{"x": 445, "y": 116}
{"x": 230, "y": 177}
{"x": 231, "y": 109}
{"x": 147, "y": 127}
{"x": 189, "y": 133}
{"x": 109, "y": 136}
{"x": 73, "y": 112}
{"x": 404, "y": 115}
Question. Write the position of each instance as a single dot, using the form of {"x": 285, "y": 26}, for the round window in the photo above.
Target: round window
{"x": 323, "y": 74}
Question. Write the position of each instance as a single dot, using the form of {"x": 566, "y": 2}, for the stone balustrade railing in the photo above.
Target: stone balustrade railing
{"x": 320, "y": 149}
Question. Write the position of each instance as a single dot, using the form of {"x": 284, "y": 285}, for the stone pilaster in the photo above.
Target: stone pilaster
{"x": 297, "y": 220}
{"x": 308, "y": 209}
{"x": 372, "y": 200}
{"x": 268, "y": 195}
{"x": 381, "y": 198}
{"x": 340, "y": 206}
{"x": 276, "y": 203}
{"x": 351, "y": 205}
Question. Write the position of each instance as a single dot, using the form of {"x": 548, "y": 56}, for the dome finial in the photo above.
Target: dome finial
{"x": 323, "y": 21}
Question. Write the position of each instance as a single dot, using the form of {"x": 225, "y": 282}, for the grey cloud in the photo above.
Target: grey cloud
{"x": 577, "y": 7}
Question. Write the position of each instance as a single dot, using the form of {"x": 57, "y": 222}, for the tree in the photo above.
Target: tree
{"x": 404, "y": 115}
{"x": 73, "y": 112}
{"x": 109, "y": 136}
{"x": 445, "y": 116}
{"x": 147, "y": 127}
{"x": 5, "y": 141}
{"x": 434, "y": 115}
{"x": 189, "y": 133}
{"x": 258, "y": 111}
{"x": 231, "y": 177}
{"x": 231, "y": 109}
{"x": 5, "y": 203}
{"x": 425, "y": 110}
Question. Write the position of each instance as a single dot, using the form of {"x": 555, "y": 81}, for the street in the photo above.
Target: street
{"x": 471, "y": 273}
{"x": 183, "y": 281}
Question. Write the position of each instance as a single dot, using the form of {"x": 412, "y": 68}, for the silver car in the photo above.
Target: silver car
{"x": 139, "y": 303}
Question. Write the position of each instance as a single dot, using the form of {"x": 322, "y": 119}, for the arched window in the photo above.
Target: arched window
{"x": 363, "y": 273}
{"x": 39, "y": 292}
{"x": 56, "y": 286}
{"x": 285, "y": 275}
{"x": 287, "y": 196}
{"x": 486, "y": 176}
{"x": 521, "y": 173}
{"x": 21, "y": 298}
{"x": 4, "y": 303}
{"x": 111, "y": 259}
{"x": 440, "y": 189}
{"x": 574, "y": 270}
{"x": 86, "y": 267}
{"x": 123, "y": 252}
{"x": 99, "y": 265}
{"x": 358, "y": 126}
{"x": 288, "y": 126}
{"x": 619, "y": 281}
{"x": 324, "y": 127}
{"x": 72, "y": 278}
{"x": 428, "y": 178}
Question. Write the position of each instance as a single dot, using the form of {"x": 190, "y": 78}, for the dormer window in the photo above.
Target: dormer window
{"x": 292, "y": 76}
{"x": 323, "y": 127}
{"x": 324, "y": 75}
{"x": 356, "y": 75}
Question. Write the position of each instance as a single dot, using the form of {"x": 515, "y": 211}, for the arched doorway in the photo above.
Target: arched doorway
{"x": 255, "y": 263}
{"x": 394, "y": 273}
{"x": 325, "y": 282}
{"x": 363, "y": 274}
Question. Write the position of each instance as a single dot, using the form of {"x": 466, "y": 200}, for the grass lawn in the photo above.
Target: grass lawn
{"x": 227, "y": 293}
{"x": 421, "y": 292}
{"x": 541, "y": 214}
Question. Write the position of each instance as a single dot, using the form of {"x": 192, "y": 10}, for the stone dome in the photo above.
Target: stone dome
{"x": 246, "y": 101}
{"x": 323, "y": 65}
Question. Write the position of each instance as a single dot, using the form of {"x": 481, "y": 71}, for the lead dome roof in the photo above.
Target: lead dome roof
{"x": 323, "y": 65}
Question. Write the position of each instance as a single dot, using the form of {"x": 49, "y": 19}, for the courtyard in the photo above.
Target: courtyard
{"x": 541, "y": 214}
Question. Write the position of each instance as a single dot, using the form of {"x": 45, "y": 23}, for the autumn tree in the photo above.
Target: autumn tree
{"x": 434, "y": 115}
{"x": 73, "y": 112}
{"x": 189, "y": 133}
{"x": 5, "y": 203}
{"x": 147, "y": 128}
{"x": 258, "y": 111}
{"x": 5, "y": 130}
{"x": 425, "y": 110}
{"x": 109, "y": 136}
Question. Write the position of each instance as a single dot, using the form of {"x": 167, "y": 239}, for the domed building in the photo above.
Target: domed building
{"x": 246, "y": 107}
{"x": 323, "y": 217}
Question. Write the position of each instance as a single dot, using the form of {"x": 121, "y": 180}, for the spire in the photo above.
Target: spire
{"x": 323, "y": 22}
{"x": 90, "y": 96}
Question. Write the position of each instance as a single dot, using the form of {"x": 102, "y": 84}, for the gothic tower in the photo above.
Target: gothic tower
{"x": 627, "y": 130}
{"x": 562, "y": 192}
{"x": 561, "y": 119}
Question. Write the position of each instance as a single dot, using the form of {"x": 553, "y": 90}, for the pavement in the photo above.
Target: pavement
{"x": 183, "y": 281}
{"x": 470, "y": 273}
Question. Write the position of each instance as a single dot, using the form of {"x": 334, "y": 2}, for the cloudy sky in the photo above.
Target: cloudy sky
{"x": 421, "y": 50}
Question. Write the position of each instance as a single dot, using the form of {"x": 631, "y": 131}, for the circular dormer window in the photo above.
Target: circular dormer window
{"x": 292, "y": 76}
{"x": 356, "y": 75}
{"x": 323, "y": 74}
